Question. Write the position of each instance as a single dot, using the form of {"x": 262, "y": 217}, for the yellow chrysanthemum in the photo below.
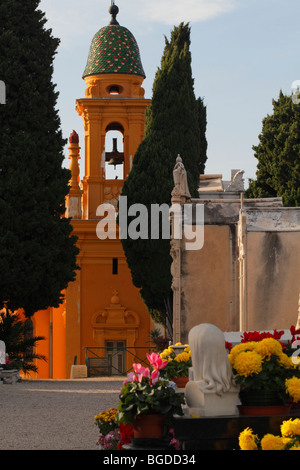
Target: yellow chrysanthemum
{"x": 238, "y": 348}
{"x": 247, "y": 440}
{"x": 271, "y": 442}
{"x": 295, "y": 447}
{"x": 293, "y": 388}
{"x": 290, "y": 428}
{"x": 285, "y": 361}
{"x": 269, "y": 346}
{"x": 166, "y": 353}
{"x": 286, "y": 440}
{"x": 182, "y": 357}
{"x": 106, "y": 416}
{"x": 248, "y": 363}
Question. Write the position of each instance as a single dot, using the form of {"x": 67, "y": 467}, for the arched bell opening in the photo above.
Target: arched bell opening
{"x": 114, "y": 152}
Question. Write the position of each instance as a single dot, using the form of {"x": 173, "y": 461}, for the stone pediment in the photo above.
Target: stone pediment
{"x": 115, "y": 316}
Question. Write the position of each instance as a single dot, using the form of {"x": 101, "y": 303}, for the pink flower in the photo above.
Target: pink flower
{"x": 156, "y": 361}
{"x": 138, "y": 368}
{"x": 141, "y": 371}
{"x": 154, "y": 376}
{"x": 131, "y": 377}
{"x": 174, "y": 443}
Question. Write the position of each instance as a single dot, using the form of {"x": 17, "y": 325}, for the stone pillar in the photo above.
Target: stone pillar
{"x": 180, "y": 195}
{"x": 73, "y": 200}
{"x": 242, "y": 240}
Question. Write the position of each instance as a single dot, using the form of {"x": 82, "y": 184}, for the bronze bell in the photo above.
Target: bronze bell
{"x": 117, "y": 158}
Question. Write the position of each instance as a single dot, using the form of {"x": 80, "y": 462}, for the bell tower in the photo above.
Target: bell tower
{"x": 114, "y": 101}
{"x": 90, "y": 317}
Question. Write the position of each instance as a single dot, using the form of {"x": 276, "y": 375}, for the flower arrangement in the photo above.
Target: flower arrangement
{"x": 263, "y": 365}
{"x": 146, "y": 392}
{"x": 288, "y": 440}
{"x": 289, "y": 346}
{"x": 177, "y": 364}
{"x": 109, "y": 429}
{"x": 110, "y": 441}
{"x": 106, "y": 421}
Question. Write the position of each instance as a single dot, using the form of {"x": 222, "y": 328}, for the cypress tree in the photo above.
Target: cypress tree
{"x": 278, "y": 154}
{"x": 37, "y": 249}
{"x": 175, "y": 124}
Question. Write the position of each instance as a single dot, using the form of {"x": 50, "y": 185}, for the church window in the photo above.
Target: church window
{"x": 115, "y": 266}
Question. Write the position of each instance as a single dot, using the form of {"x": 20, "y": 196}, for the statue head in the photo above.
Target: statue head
{"x": 211, "y": 364}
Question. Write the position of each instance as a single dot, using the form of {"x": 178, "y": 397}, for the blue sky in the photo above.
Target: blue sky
{"x": 243, "y": 53}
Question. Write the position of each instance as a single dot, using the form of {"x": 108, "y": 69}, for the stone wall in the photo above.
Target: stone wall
{"x": 209, "y": 281}
{"x": 273, "y": 271}
{"x": 247, "y": 274}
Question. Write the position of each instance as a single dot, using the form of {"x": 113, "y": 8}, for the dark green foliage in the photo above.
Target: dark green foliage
{"x": 175, "y": 124}
{"x": 37, "y": 250}
{"x": 19, "y": 342}
{"x": 278, "y": 154}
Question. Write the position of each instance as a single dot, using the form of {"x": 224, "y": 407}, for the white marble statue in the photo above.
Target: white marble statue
{"x": 211, "y": 391}
{"x": 180, "y": 178}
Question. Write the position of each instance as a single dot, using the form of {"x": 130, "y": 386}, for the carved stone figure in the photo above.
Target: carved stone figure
{"x": 180, "y": 179}
{"x": 211, "y": 391}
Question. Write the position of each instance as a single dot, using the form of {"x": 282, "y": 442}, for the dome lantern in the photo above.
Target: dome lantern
{"x": 114, "y": 50}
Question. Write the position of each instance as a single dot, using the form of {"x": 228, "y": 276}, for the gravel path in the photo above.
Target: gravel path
{"x": 54, "y": 414}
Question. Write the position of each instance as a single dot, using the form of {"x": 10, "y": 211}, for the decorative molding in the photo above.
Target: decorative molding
{"x": 115, "y": 321}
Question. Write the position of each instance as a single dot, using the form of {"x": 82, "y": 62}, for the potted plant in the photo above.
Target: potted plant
{"x": 177, "y": 368}
{"x": 109, "y": 429}
{"x": 261, "y": 368}
{"x": 160, "y": 341}
{"x": 149, "y": 402}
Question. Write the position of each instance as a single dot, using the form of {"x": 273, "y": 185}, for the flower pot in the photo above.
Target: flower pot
{"x": 149, "y": 426}
{"x": 180, "y": 381}
{"x": 260, "y": 398}
{"x": 264, "y": 410}
{"x": 262, "y": 403}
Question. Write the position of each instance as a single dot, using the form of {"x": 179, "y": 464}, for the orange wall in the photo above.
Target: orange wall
{"x": 41, "y": 327}
{"x": 59, "y": 342}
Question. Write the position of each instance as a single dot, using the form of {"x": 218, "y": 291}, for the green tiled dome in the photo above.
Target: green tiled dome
{"x": 114, "y": 50}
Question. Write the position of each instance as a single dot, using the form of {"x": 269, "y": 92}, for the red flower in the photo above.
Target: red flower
{"x": 258, "y": 336}
{"x": 126, "y": 432}
{"x": 294, "y": 332}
